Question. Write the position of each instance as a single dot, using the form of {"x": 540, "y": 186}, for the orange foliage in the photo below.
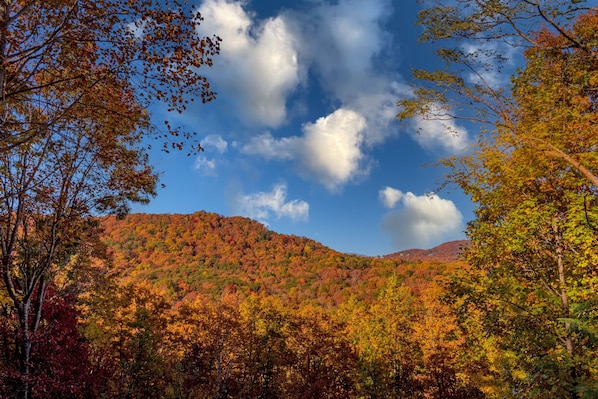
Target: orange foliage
{"x": 204, "y": 252}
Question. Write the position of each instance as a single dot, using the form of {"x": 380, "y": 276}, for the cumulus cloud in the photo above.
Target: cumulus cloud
{"x": 345, "y": 58}
{"x": 216, "y": 142}
{"x": 333, "y": 147}
{"x": 258, "y": 64}
{"x": 329, "y": 151}
{"x": 390, "y": 196}
{"x": 262, "y": 205}
{"x": 437, "y": 131}
{"x": 379, "y": 109}
{"x": 205, "y": 166}
{"x": 421, "y": 221}
{"x": 350, "y": 34}
{"x": 270, "y": 148}
{"x": 262, "y": 62}
{"x": 443, "y": 135}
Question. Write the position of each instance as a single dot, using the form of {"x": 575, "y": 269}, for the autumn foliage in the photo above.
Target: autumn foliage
{"x": 206, "y": 306}
{"x": 201, "y": 305}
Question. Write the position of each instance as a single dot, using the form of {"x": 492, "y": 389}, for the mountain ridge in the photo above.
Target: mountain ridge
{"x": 449, "y": 251}
{"x": 206, "y": 254}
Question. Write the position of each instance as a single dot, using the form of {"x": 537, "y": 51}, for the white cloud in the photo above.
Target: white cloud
{"x": 422, "y": 221}
{"x": 216, "y": 142}
{"x": 390, "y": 196}
{"x": 438, "y": 131}
{"x": 271, "y": 148}
{"x": 333, "y": 153}
{"x": 205, "y": 166}
{"x": 350, "y": 38}
{"x": 344, "y": 44}
{"x": 349, "y": 35}
{"x": 262, "y": 205}
{"x": 257, "y": 66}
{"x": 488, "y": 73}
{"x": 263, "y": 62}
{"x": 330, "y": 150}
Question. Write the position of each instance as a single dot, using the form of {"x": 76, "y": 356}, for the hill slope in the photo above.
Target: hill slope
{"x": 206, "y": 254}
{"x": 446, "y": 252}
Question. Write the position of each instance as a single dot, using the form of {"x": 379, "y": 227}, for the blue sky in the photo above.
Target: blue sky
{"x": 303, "y": 136}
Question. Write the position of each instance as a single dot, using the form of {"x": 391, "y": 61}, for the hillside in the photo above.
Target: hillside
{"x": 446, "y": 252}
{"x": 185, "y": 255}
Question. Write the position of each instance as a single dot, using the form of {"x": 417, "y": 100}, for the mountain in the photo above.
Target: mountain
{"x": 446, "y": 252}
{"x": 206, "y": 254}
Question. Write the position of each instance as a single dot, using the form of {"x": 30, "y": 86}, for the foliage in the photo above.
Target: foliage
{"x": 61, "y": 368}
{"x": 76, "y": 78}
{"x": 533, "y": 174}
{"x": 388, "y": 336}
{"x": 126, "y": 329}
{"x": 411, "y": 346}
{"x": 482, "y": 40}
{"x": 205, "y": 253}
{"x": 265, "y": 327}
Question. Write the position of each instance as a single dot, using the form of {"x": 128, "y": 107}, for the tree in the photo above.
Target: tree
{"x": 384, "y": 337}
{"x": 126, "y": 327}
{"x": 265, "y": 353}
{"x": 76, "y": 78}
{"x": 324, "y": 363}
{"x": 54, "y": 53}
{"x": 534, "y": 269}
{"x": 449, "y": 371}
{"x": 482, "y": 40}
{"x": 534, "y": 176}
{"x": 206, "y": 342}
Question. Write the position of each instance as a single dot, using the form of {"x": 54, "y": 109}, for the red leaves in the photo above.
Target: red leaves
{"x": 59, "y": 355}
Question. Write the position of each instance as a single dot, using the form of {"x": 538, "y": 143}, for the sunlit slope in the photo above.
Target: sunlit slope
{"x": 208, "y": 254}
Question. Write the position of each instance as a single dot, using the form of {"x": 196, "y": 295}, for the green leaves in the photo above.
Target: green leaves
{"x": 533, "y": 175}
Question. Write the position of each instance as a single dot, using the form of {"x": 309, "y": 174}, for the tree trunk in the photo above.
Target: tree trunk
{"x": 3, "y": 30}
{"x": 24, "y": 345}
{"x": 562, "y": 289}
{"x": 568, "y": 340}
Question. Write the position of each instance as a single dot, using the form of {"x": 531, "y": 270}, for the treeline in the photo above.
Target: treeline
{"x": 204, "y": 306}
{"x": 298, "y": 324}
{"x": 130, "y": 341}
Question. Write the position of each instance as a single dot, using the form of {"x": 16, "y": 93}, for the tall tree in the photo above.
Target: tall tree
{"x": 76, "y": 78}
{"x": 384, "y": 336}
{"x": 480, "y": 41}
{"x": 533, "y": 174}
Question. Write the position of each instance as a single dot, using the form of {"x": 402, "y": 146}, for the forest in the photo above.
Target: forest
{"x": 99, "y": 303}
{"x": 203, "y": 305}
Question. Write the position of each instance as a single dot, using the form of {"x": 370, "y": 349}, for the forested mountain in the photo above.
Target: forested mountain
{"x": 283, "y": 314}
{"x": 445, "y": 252}
{"x": 206, "y": 254}
{"x": 206, "y": 306}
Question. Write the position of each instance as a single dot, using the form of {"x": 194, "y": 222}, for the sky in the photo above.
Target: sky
{"x": 303, "y": 135}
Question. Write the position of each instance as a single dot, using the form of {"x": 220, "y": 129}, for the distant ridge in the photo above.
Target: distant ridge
{"x": 446, "y": 252}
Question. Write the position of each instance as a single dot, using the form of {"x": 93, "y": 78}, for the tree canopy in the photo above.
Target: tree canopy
{"x": 533, "y": 174}
{"x": 76, "y": 79}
